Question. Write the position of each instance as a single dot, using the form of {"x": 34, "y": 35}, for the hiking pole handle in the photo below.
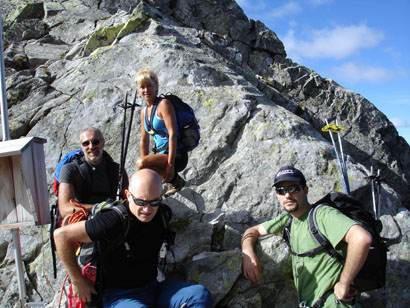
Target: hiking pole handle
{"x": 373, "y": 186}
{"x": 130, "y": 125}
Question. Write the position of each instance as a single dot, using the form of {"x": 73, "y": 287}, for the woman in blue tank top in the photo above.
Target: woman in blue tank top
{"x": 169, "y": 159}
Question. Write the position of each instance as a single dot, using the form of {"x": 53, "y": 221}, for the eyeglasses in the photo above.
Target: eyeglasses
{"x": 140, "y": 202}
{"x": 94, "y": 142}
{"x": 282, "y": 190}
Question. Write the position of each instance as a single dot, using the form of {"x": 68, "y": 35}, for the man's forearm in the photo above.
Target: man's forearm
{"x": 250, "y": 262}
{"x": 66, "y": 251}
{"x": 357, "y": 250}
{"x": 249, "y": 239}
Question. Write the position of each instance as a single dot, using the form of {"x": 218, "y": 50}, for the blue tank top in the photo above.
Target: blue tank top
{"x": 161, "y": 140}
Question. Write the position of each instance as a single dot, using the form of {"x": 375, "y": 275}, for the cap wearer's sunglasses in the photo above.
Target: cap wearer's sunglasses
{"x": 140, "y": 202}
{"x": 94, "y": 142}
{"x": 282, "y": 190}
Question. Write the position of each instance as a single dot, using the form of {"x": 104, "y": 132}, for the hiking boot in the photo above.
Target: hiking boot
{"x": 175, "y": 186}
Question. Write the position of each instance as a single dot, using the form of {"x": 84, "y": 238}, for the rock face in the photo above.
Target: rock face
{"x": 69, "y": 65}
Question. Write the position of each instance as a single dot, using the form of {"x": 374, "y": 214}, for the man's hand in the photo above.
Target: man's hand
{"x": 251, "y": 266}
{"x": 83, "y": 288}
{"x": 344, "y": 293}
{"x": 358, "y": 242}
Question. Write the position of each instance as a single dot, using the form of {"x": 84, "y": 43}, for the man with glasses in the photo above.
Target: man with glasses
{"x": 129, "y": 273}
{"x": 90, "y": 179}
{"x": 320, "y": 280}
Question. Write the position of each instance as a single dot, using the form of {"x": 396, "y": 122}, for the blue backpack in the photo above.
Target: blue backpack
{"x": 68, "y": 158}
{"x": 188, "y": 127}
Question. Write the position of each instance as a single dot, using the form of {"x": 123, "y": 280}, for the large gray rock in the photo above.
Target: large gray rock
{"x": 69, "y": 65}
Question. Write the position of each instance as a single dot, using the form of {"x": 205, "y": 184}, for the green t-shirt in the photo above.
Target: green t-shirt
{"x": 313, "y": 276}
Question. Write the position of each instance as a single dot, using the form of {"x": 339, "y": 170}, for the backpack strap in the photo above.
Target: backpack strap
{"x": 286, "y": 237}
{"x": 114, "y": 174}
{"x": 321, "y": 301}
{"x": 85, "y": 176}
{"x": 150, "y": 124}
{"x": 318, "y": 236}
{"x": 54, "y": 224}
{"x": 122, "y": 210}
{"x": 169, "y": 236}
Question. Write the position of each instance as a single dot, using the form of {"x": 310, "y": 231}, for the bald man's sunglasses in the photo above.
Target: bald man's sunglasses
{"x": 140, "y": 202}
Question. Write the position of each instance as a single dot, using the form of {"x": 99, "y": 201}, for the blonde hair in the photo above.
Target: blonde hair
{"x": 147, "y": 76}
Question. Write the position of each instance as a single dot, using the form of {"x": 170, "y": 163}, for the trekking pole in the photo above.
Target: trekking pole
{"x": 335, "y": 129}
{"x": 123, "y": 128}
{"x": 375, "y": 185}
{"x": 121, "y": 167}
{"x": 379, "y": 182}
{"x": 339, "y": 129}
{"x": 125, "y": 139}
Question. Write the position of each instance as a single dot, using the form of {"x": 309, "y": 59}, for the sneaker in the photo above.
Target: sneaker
{"x": 175, "y": 186}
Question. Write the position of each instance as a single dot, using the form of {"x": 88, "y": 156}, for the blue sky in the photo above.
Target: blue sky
{"x": 363, "y": 45}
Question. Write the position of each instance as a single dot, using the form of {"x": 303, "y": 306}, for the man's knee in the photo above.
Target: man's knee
{"x": 140, "y": 163}
{"x": 201, "y": 297}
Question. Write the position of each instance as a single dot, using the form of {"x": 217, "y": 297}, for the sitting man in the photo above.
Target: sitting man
{"x": 91, "y": 179}
{"x": 319, "y": 278}
{"x": 129, "y": 273}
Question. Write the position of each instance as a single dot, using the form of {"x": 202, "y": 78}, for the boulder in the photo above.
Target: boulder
{"x": 70, "y": 64}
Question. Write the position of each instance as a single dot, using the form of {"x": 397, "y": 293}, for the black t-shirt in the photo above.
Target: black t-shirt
{"x": 102, "y": 184}
{"x": 135, "y": 268}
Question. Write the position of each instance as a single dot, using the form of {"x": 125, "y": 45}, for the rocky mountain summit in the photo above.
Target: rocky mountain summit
{"x": 70, "y": 64}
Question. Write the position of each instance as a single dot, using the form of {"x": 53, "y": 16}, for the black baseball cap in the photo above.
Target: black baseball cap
{"x": 289, "y": 173}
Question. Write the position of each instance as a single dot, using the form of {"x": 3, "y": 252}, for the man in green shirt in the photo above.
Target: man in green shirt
{"x": 313, "y": 276}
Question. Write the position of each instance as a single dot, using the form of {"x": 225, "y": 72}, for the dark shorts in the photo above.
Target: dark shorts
{"x": 181, "y": 160}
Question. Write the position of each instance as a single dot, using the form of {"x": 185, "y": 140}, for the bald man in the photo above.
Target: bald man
{"x": 129, "y": 272}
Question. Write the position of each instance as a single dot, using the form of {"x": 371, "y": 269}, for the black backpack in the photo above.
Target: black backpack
{"x": 90, "y": 254}
{"x": 373, "y": 273}
{"x": 188, "y": 127}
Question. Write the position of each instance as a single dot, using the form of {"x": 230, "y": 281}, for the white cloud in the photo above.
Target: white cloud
{"x": 320, "y": 2}
{"x": 351, "y": 72}
{"x": 289, "y": 8}
{"x": 337, "y": 43}
{"x": 251, "y": 5}
{"x": 400, "y": 122}
{"x": 403, "y": 101}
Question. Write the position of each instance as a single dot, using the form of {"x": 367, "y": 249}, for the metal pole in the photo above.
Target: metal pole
{"x": 343, "y": 160}
{"x": 4, "y": 111}
{"x": 346, "y": 185}
{"x": 19, "y": 266}
{"x": 6, "y": 136}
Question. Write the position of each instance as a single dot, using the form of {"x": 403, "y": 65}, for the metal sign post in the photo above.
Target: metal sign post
{"x": 6, "y": 136}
